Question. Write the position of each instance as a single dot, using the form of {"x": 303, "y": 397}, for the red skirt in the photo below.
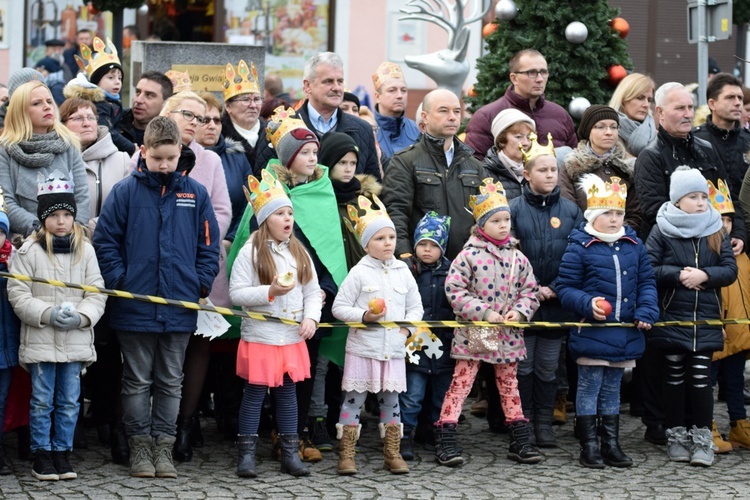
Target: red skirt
{"x": 263, "y": 364}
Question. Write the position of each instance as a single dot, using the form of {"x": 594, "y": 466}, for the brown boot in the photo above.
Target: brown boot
{"x": 307, "y": 451}
{"x": 347, "y": 436}
{"x": 392, "y": 434}
{"x": 739, "y": 433}
{"x": 720, "y": 445}
{"x": 560, "y": 413}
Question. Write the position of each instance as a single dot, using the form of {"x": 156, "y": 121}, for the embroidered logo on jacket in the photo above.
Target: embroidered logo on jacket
{"x": 186, "y": 200}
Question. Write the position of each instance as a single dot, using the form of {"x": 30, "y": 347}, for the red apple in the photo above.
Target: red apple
{"x": 286, "y": 279}
{"x": 377, "y": 306}
{"x": 605, "y": 306}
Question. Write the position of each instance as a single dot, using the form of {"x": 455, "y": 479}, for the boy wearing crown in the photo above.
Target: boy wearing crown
{"x": 157, "y": 235}
{"x": 100, "y": 81}
{"x": 605, "y": 276}
{"x": 489, "y": 280}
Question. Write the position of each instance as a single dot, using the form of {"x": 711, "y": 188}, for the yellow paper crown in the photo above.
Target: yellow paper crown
{"x": 491, "y": 196}
{"x": 720, "y": 198}
{"x": 537, "y": 149}
{"x": 180, "y": 81}
{"x": 281, "y": 122}
{"x": 102, "y": 55}
{"x": 370, "y": 214}
{"x": 242, "y": 81}
{"x": 602, "y": 195}
{"x": 262, "y": 193}
{"x": 386, "y": 71}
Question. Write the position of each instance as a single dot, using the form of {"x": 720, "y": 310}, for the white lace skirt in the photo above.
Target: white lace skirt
{"x": 372, "y": 375}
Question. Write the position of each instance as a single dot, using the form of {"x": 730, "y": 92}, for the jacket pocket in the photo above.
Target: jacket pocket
{"x": 429, "y": 190}
{"x": 399, "y": 298}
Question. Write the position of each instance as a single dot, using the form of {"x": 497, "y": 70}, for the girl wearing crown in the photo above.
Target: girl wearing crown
{"x": 693, "y": 260}
{"x": 378, "y": 288}
{"x": 57, "y": 331}
{"x": 605, "y": 275}
{"x": 274, "y": 275}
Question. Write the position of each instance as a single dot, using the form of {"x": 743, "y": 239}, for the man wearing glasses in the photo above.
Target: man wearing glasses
{"x": 528, "y": 78}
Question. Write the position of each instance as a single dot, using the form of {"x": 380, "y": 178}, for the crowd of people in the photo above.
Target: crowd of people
{"x": 322, "y": 211}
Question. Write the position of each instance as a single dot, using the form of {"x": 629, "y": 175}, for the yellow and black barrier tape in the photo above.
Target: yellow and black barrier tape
{"x": 225, "y": 311}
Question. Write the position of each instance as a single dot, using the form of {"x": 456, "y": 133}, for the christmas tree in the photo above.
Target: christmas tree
{"x": 584, "y": 60}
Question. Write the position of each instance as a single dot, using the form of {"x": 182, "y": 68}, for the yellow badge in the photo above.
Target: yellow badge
{"x": 554, "y": 222}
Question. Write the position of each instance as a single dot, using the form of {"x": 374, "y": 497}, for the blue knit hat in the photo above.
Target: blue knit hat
{"x": 4, "y": 223}
{"x": 433, "y": 227}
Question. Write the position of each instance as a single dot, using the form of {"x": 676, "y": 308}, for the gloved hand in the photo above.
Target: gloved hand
{"x": 55, "y": 315}
{"x": 69, "y": 321}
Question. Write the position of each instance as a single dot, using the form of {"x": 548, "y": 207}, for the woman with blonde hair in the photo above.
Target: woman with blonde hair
{"x": 632, "y": 100}
{"x": 34, "y": 141}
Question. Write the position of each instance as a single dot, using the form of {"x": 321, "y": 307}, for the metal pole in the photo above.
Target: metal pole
{"x": 702, "y": 53}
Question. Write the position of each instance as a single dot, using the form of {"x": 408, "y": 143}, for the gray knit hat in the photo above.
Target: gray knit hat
{"x": 686, "y": 180}
{"x": 288, "y": 134}
{"x": 23, "y": 75}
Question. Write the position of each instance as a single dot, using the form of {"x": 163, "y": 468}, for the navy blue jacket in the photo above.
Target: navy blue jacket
{"x": 10, "y": 327}
{"x": 669, "y": 256}
{"x": 236, "y": 170}
{"x": 431, "y": 284}
{"x": 158, "y": 238}
{"x": 621, "y": 273}
{"x": 542, "y": 224}
{"x": 110, "y": 114}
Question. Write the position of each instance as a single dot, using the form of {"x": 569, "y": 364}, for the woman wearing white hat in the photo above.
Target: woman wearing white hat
{"x": 503, "y": 161}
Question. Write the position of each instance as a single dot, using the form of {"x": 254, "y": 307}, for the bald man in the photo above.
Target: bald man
{"x": 437, "y": 173}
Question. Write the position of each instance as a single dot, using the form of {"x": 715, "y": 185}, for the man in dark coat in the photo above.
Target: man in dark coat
{"x": 151, "y": 91}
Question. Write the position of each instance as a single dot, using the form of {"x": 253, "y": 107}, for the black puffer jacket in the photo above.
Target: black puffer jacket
{"x": 659, "y": 160}
{"x": 732, "y": 147}
{"x": 356, "y": 128}
{"x": 542, "y": 224}
{"x": 500, "y": 172}
{"x": 668, "y": 257}
{"x": 419, "y": 180}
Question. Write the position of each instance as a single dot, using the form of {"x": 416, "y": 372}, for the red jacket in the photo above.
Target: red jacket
{"x": 548, "y": 116}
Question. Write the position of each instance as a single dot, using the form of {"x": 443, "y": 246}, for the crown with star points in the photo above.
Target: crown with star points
{"x": 243, "y": 80}
{"x": 537, "y": 149}
{"x": 102, "y": 56}
{"x": 371, "y": 221}
{"x": 180, "y": 81}
{"x": 720, "y": 197}
{"x": 491, "y": 197}
{"x": 266, "y": 195}
{"x": 601, "y": 195}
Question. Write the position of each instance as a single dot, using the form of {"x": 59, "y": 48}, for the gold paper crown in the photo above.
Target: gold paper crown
{"x": 386, "y": 71}
{"x": 261, "y": 193}
{"x": 537, "y": 149}
{"x": 720, "y": 198}
{"x": 491, "y": 196}
{"x": 281, "y": 122}
{"x": 90, "y": 61}
{"x": 242, "y": 81}
{"x": 180, "y": 81}
{"x": 371, "y": 213}
{"x": 602, "y": 195}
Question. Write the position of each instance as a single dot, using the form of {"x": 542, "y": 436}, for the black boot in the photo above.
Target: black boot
{"x": 5, "y": 469}
{"x": 246, "y": 444}
{"x": 609, "y": 431}
{"x": 520, "y": 448}
{"x": 407, "y": 445}
{"x": 445, "y": 445}
{"x": 24, "y": 443}
{"x": 196, "y": 435}
{"x": 586, "y": 429}
{"x": 183, "y": 449}
{"x": 118, "y": 443}
{"x": 290, "y": 461}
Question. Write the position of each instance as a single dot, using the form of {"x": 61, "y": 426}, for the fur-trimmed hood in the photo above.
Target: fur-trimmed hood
{"x": 369, "y": 185}
{"x": 233, "y": 146}
{"x": 583, "y": 161}
{"x": 75, "y": 89}
{"x": 286, "y": 177}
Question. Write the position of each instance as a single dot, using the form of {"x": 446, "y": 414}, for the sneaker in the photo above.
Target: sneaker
{"x": 61, "y": 460}
{"x": 678, "y": 444}
{"x": 701, "y": 451}
{"x": 44, "y": 469}
{"x": 319, "y": 434}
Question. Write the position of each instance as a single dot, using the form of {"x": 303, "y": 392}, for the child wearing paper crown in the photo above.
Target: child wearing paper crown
{"x": 692, "y": 260}
{"x": 100, "y": 81}
{"x": 735, "y": 300}
{"x": 605, "y": 275}
{"x": 273, "y": 355}
{"x": 57, "y": 331}
{"x": 428, "y": 359}
{"x": 378, "y": 288}
{"x": 489, "y": 280}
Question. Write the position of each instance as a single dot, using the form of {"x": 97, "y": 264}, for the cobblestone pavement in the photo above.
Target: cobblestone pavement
{"x": 486, "y": 474}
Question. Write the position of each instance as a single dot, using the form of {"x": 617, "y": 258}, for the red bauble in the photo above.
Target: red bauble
{"x": 616, "y": 73}
{"x": 621, "y": 26}
{"x": 471, "y": 92}
{"x": 92, "y": 10}
{"x": 488, "y": 29}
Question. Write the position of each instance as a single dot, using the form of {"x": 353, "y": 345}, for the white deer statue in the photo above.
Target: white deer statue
{"x": 448, "y": 67}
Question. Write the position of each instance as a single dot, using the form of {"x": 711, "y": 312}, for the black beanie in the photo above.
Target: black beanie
{"x": 593, "y": 114}
{"x": 54, "y": 192}
{"x": 349, "y": 97}
{"x": 334, "y": 146}
{"x": 100, "y": 72}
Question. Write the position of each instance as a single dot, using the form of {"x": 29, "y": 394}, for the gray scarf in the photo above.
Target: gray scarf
{"x": 675, "y": 223}
{"x": 637, "y": 135}
{"x": 39, "y": 151}
{"x": 516, "y": 168}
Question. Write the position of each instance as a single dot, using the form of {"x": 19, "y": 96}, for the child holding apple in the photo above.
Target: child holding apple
{"x": 378, "y": 288}
{"x": 605, "y": 275}
{"x": 693, "y": 260}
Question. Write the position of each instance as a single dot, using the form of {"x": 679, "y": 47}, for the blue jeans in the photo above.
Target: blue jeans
{"x": 598, "y": 390}
{"x": 151, "y": 381}
{"x": 55, "y": 388}
{"x": 732, "y": 378}
{"x": 416, "y": 386}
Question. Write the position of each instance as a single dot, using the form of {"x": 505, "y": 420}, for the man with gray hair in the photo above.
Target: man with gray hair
{"x": 323, "y": 84}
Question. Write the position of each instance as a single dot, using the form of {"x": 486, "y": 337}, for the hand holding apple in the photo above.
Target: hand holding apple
{"x": 597, "y": 308}
{"x": 376, "y": 310}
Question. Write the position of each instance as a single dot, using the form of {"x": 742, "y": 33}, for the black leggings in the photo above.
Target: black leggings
{"x": 688, "y": 375}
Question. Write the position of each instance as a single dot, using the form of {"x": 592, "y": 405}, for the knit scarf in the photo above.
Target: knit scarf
{"x": 605, "y": 237}
{"x": 675, "y": 223}
{"x": 39, "y": 151}
{"x": 346, "y": 191}
{"x": 637, "y": 135}
{"x": 515, "y": 167}
{"x": 60, "y": 244}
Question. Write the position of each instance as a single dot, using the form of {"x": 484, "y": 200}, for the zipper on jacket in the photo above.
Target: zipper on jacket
{"x": 695, "y": 306}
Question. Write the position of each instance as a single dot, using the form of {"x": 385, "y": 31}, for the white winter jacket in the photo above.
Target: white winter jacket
{"x": 369, "y": 279}
{"x": 303, "y": 301}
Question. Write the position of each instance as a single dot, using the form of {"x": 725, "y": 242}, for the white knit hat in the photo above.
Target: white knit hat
{"x": 685, "y": 180}
{"x": 507, "y": 118}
